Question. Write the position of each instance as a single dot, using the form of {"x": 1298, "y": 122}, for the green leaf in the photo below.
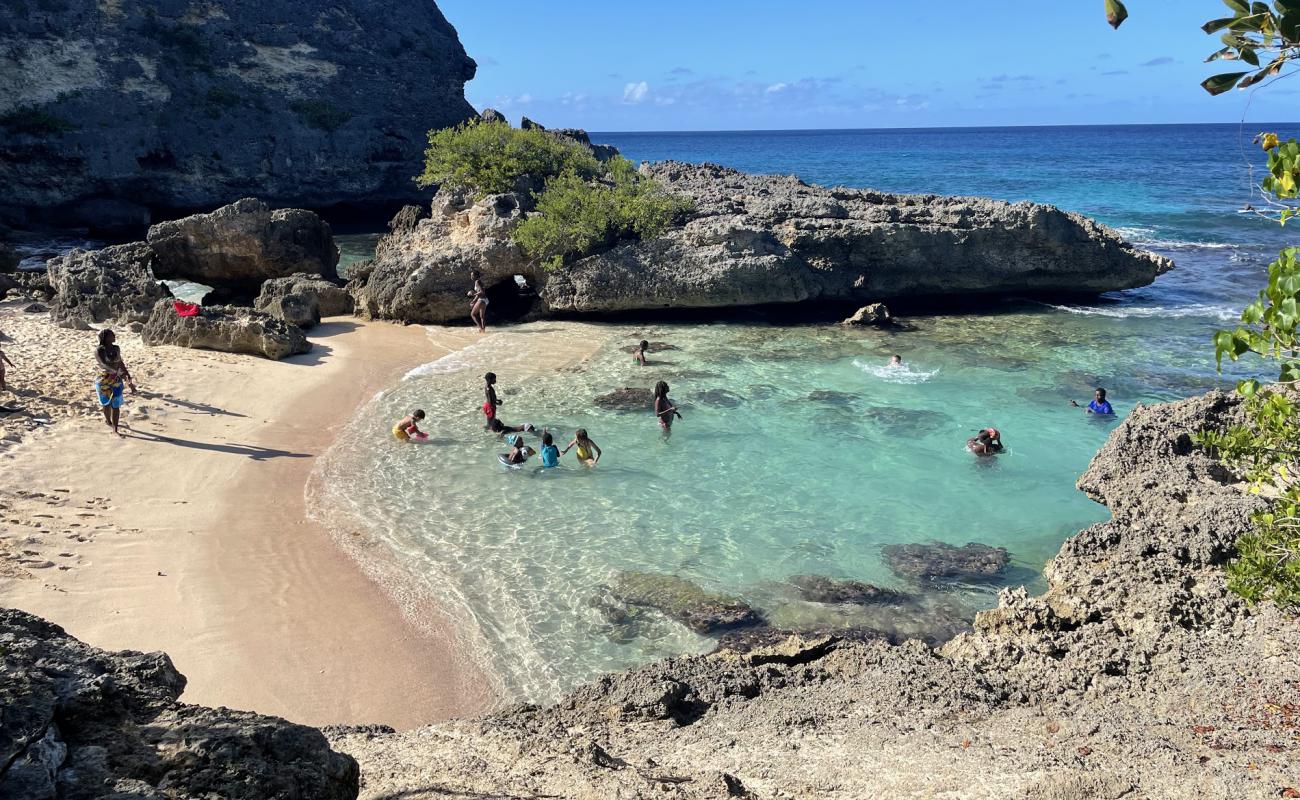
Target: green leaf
{"x": 1218, "y": 84}
{"x": 1116, "y": 13}
{"x": 1216, "y": 24}
{"x": 1253, "y": 79}
{"x": 1226, "y": 54}
{"x": 1239, "y": 6}
{"x": 1248, "y": 55}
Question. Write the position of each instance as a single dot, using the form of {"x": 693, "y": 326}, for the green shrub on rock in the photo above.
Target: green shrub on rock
{"x": 577, "y": 216}
{"x": 490, "y": 158}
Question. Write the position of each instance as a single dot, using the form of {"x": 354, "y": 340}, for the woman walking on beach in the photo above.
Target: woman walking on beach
{"x": 113, "y": 374}
{"x": 478, "y": 306}
{"x": 664, "y": 409}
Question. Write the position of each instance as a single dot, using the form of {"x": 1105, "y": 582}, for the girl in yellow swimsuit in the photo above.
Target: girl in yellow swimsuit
{"x": 588, "y": 451}
{"x": 409, "y": 426}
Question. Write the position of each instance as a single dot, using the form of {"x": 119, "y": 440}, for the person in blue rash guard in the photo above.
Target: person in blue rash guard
{"x": 550, "y": 453}
{"x": 1099, "y": 404}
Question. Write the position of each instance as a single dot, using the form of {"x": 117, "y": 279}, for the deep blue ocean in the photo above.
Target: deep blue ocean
{"x": 800, "y": 452}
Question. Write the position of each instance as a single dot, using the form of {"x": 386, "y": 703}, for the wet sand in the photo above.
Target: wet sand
{"x": 190, "y": 534}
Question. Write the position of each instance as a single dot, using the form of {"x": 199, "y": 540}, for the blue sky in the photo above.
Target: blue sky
{"x": 723, "y": 65}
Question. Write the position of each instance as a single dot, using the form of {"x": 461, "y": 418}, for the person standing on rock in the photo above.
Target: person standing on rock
{"x": 113, "y": 374}
{"x": 478, "y": 306}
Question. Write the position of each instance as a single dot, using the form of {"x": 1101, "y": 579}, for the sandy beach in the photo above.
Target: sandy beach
{"x": 190, "y": 535}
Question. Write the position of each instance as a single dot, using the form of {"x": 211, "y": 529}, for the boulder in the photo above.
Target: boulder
{"x": 768, "y": 239}
{"x": 332, "y": 300}
{"x": 115, "y": 285}
{"x": 230, "y": 329}
{"x": 296, "y": 309}
{"x": 683, "y": 601}
{"x": 421, "y": 269}
{"x": 875, "y": 315}
{"x": 241, "y": 245}
{"x": 823, "y": 589}
{"x": 629, "y": 399}
{"x": 82, "y": 722}
{"x": 180, "y": 107}
{"x": 942, "y": 560}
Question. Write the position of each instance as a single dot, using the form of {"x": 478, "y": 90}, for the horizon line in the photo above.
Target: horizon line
{"x": 943, "y": 127}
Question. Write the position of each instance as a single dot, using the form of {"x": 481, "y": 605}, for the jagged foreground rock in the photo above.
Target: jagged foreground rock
{"x": 230, "y": 329}
{"x": 112, "y": 113}
{"x": 1136, "y": 675}
{"x": 80, "y": 723}
{"x": 755, "y": 240}
{"x": 114, "y": 285}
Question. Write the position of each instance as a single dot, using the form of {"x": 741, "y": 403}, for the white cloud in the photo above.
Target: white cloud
{"x": 776, "y": 87}
{"x": 635, "y": 92}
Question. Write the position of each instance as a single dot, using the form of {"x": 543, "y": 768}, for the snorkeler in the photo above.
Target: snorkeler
{"x": 408, "y": 428}
{"x": 588, "y": 451}
{"x": 664, "y": 409}
{"x": 1099, "y": 404}
{"x": 638, "y": 355}
{"x": 987, "y": 442}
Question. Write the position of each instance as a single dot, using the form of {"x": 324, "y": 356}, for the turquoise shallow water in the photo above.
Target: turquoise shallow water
{"x": 800, "y": 453}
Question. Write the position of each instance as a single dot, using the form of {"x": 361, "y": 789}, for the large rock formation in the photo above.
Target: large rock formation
{"x": 113, "y": 113}
{"x": 114, "y": 285}
{"x": 1136, "y": 675}
{"x": 757, "y": 240}
{"x": 241, "y": 245}
{"x": 230, "y": 329}
{"x": 78, "y": 722}
{"x": 332, "y": 300}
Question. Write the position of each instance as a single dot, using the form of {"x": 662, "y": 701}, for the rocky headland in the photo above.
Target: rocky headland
{"x": 752, "y": 240}
{"x": 1136, "y": 674}
{"x": 115, "y": 115}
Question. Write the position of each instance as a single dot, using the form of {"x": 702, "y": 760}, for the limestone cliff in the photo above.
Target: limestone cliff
{"x": 114, "y": 114}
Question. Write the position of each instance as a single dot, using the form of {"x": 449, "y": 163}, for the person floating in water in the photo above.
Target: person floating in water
{"x": 895, "y": 360}
{"x": 550, "y": 453}
{"x": 588, "y": 451}
{"x": 664, "y": 409}
{"x": 498, "y": 427}
{"x": 478, "y": 306}
{"x": 519, "y": 452}
{"x": 409, "y": 427}
{"x": 490, "y": 400}
{"x": 987, "y": 442}
{"x": 1099, "y": 404}
{"x": 113, "y": 374}
{"x": 638, "y": 355}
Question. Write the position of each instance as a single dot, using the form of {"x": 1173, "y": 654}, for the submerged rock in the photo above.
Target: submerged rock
{"x": 823, "y": 589}
{"x": 332, "y": 300}
{"x": 629, "y": 399}
{"x": 82, "y": 722}
{"x": 905, "y": 421}
{"x": 684, "y": 601}
{"x": 720, "y": 398}
{"x": 942, "y": 560}
{"x": 875, "y": 315}
{"x": 114, "y": 285}
{"x": 122, "y": 113}
{"x": 230, "y": 329}
{"x": 241, "y": 245}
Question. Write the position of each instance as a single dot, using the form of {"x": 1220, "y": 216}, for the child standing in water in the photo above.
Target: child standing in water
{"x": 664, "y": 409}
{"x": 409, "y": 427}
{"x": 588, "y": 451}
{"x": 550, "y": 453}
{"x": 638, "y": 355}
{"x": 490, "y": 399}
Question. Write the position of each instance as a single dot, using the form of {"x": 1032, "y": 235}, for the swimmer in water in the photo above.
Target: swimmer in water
{"x": 498, "y": 427}
{"x": 664, "y": 409}
{"x": 638, "y": 355}
{"x": 409, "y": 427}
{"x": 988, "y": 442}
{"x": 519, "y": 452}
{"x": 550, "y": 453}
{"x": 588, "y": 451}
{"x": 1099, "y": 404}
{"x": 895, "y": 360}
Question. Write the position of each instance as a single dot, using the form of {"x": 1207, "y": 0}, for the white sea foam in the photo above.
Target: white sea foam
{"x": 900, "y": 374}
{"x": 1146, "y": 237}
{"x": 1221, "y": 313}
{"x": 456, "y": 361}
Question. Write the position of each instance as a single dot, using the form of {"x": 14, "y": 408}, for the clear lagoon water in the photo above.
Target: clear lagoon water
{"x": 800, "y": 452}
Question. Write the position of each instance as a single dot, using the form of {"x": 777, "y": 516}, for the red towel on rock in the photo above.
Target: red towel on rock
{"x": 184, "y": 309}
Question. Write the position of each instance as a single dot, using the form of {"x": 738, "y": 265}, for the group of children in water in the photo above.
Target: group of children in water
{"x": 987, "y": 442}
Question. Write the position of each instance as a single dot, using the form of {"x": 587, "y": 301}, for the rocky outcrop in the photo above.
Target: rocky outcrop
{"x": 758, "y": 240}
{"x": 943, "y": 560}
{"x": 296, "y": 309}
{"x": 332, "y": 300}
{"x": 239, "y": 246}
{"x": 766, "y": 239}
{"x": 112, "y": 114}
{"x": 1135, "y": 675}
{"x": 875, "y": 315}
{"x": 78, "y": 722}
{"x": 115, "y": 285}
{"x": 421, "y": 269}
{"x": 230, "y": 329}
{"x": 683, "y": 601}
